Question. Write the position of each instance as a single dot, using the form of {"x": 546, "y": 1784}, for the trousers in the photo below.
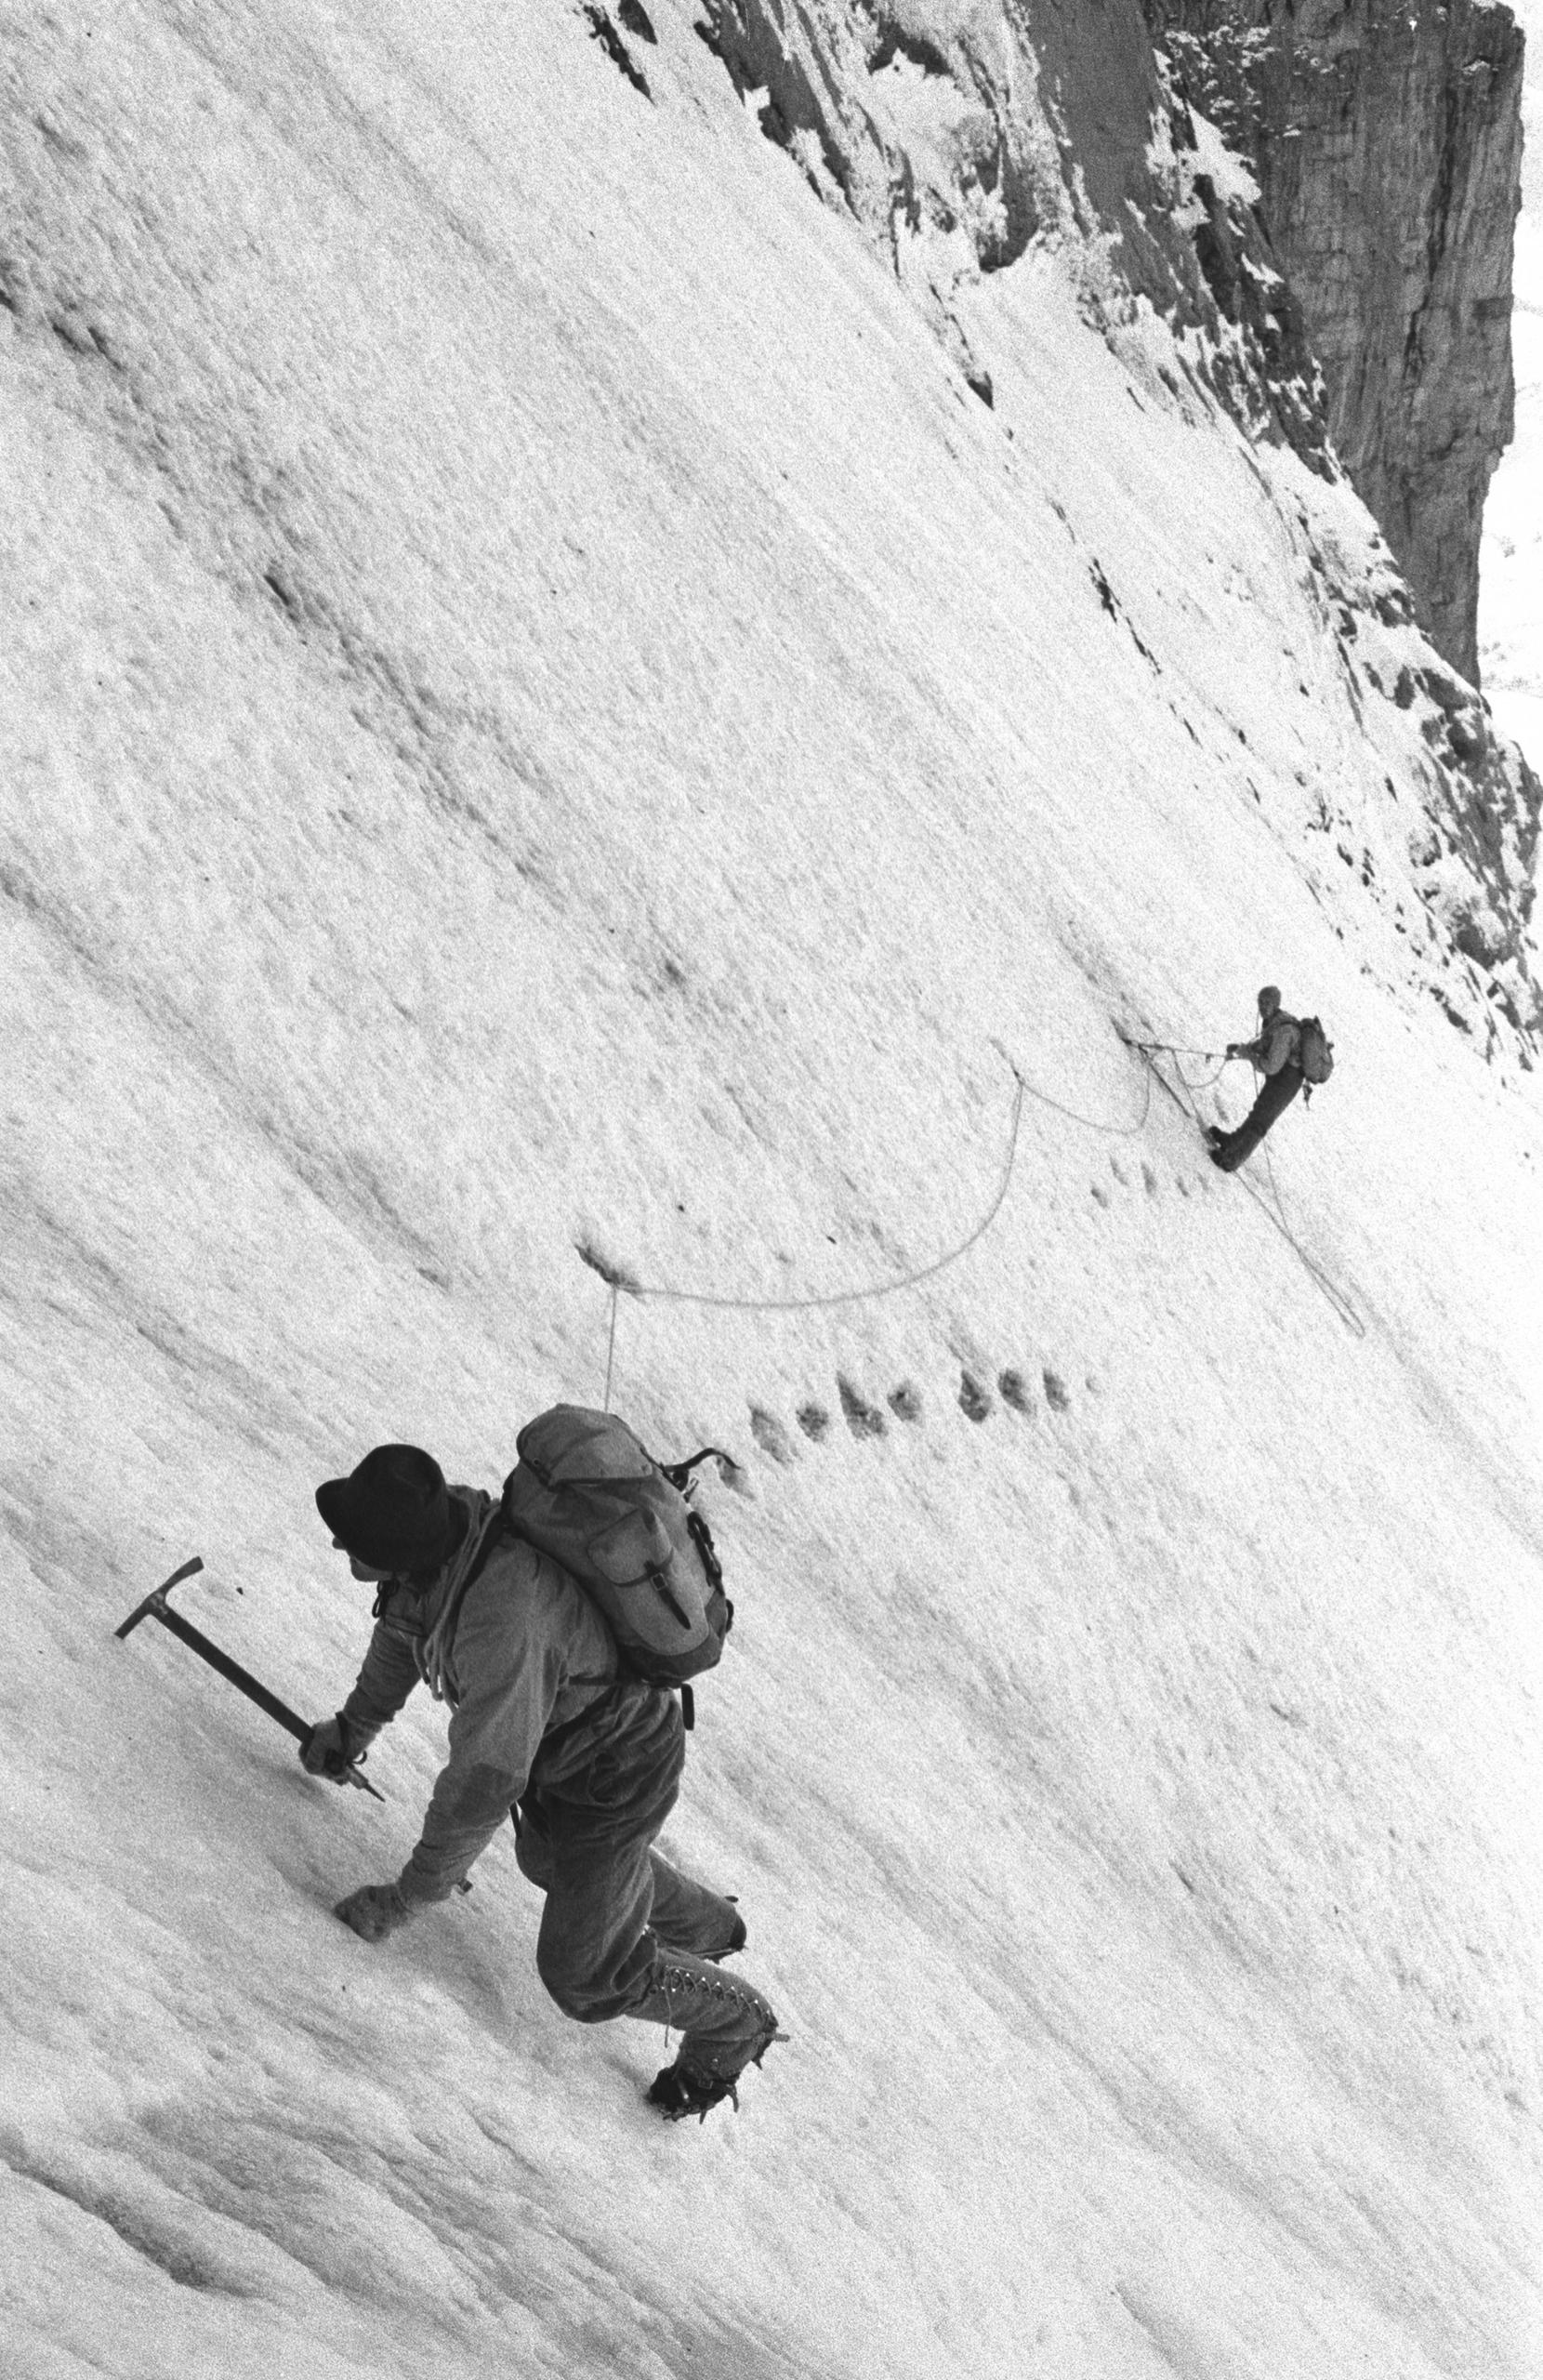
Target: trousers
{"x": 1275, "y": 1096}
{"x": 624, "y": 1933}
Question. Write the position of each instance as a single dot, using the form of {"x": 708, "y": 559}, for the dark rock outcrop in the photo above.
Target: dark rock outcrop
{"x": 956, "y": 132}
{"x": 1387, "y": 140}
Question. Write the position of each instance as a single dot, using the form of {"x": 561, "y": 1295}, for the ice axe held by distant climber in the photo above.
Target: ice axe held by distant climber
{"x": 332, "y": 1764}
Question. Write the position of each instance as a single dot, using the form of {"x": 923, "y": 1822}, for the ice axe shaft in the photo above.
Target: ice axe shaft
{"x": 155, "y": 1606}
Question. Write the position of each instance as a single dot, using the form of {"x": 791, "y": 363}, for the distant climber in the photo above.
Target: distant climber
{"x": 1291, "y": 1053}
{"x": 548, "y": 1728}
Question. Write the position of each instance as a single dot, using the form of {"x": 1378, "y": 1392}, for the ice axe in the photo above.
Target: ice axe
{"x": 155, "y": 1606}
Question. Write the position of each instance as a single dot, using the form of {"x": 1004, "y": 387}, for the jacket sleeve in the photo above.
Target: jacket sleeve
{"x": 512, "y": 1679}
{"x": 387, "y": 1677}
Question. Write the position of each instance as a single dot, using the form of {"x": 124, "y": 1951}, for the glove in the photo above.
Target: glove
{"x": 328, "y": 1750}
{"x": 374, "y": 1910}
{"x": 1234, "y": 1048}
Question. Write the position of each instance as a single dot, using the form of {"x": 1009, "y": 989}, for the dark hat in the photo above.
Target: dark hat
{"x": 392, "y": 1512}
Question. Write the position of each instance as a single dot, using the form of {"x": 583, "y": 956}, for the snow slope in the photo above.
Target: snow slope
{"x": 1510, "y": 583}
{"x": 540, "y": 714}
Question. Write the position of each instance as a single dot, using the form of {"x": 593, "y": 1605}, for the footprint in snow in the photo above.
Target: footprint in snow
{"x": 865, "y": 1420}
{"x": 862, "y": 1419}
{"x": 770, "y": 1436}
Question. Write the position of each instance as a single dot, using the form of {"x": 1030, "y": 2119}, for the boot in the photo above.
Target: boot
{"x": 678, "y": 2090}
{"x": 725, "y": 2026}
{"x": 676, "y": 2093}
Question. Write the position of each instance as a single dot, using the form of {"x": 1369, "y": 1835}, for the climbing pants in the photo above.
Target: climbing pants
{"x": 1275, "y": 1097}
{"x": 624, "y": 1933}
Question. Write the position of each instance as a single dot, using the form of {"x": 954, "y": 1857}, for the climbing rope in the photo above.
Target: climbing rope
{"x": 1336, "y": 1296}
{"x": 1206, "y": 1082}
{"x": 611, "y": 1345}
{"x": 1120, "y": 1131}
{"x": 1273, "y": 1212}
{"x": 1172, "y": 1049}
{"x": 723, "y": 1303}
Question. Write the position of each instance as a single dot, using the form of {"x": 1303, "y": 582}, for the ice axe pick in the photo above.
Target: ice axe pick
{"x": 155, "y": 1606}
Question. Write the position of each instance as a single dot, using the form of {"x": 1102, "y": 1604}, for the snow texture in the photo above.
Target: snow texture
{"x": 540, "y": 714}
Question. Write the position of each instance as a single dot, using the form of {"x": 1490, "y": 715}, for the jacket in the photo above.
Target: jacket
{"x": 521, "y": 1651}
{"x": 1277, "y": 1044}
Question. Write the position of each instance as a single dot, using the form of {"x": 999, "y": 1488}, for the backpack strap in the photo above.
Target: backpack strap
{"x": 702, "y": 1538}
{"x": 680, "y": 1478}
{"x": 434, "y": 1655}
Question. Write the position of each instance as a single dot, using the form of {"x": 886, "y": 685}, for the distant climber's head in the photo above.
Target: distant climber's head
{"x": 391, "y": 1513}
{"x": 1270, "y": 999}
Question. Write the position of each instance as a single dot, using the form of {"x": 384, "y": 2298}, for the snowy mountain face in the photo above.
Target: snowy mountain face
{"x": 552, "y": 733}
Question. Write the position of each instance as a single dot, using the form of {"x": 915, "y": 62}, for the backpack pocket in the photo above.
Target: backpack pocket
{"x": 632, "y": 1549}
{"x": 638, "y": 1562}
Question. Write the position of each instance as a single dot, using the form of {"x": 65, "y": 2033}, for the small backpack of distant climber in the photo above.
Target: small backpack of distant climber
{"x": 1315, "y": 1051}
{"x": 585, "y": 1492}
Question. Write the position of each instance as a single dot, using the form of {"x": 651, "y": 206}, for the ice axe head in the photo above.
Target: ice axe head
{"x": 157, "y": 1601}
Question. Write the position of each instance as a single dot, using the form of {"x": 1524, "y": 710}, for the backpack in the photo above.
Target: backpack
{"x": 1314, "y": 1051}
{"x": 585, "y": 1492}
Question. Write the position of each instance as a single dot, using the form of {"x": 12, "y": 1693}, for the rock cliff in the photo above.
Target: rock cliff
{"x": 957, "y": 131}
{"x": 1387, "y": 142}
{"x": 1317, "y": 198}
{"x": 1364, "y": 226}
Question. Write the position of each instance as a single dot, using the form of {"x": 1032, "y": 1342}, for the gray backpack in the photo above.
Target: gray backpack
{"x": 586, "y": 1491}
{"x": 1314, "y": 1051}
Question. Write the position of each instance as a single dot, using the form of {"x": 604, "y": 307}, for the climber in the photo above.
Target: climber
{"x": 548, "y": 1730}
{"x": 1289, "y": 1053}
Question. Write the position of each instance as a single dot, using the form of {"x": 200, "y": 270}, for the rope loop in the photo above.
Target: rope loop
{"x": 842, "y": 1297}
{"x": 717, "y": 1302}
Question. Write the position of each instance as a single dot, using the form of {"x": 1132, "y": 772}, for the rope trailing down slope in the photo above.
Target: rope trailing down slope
{"x": 1183, "y": 1094}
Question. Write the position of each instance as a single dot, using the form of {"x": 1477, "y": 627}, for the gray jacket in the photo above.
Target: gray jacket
{"x": 521, "y": 1651}
{"x": 1276, "y": 1044}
